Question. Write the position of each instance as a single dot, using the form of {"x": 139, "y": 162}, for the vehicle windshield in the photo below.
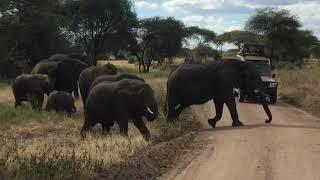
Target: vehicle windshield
{"x": 263, "y": 69}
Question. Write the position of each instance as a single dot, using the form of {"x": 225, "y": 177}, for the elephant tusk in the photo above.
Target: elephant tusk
{"x": 256, "y": 91}
{"x": 177, "y": 107}
{"x": 150, "y": 111}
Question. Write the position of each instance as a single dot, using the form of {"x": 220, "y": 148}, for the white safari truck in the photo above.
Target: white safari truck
{"x": 256, "y": 54}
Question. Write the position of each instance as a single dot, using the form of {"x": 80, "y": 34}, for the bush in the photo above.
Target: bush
{"x": 131, "y": 60}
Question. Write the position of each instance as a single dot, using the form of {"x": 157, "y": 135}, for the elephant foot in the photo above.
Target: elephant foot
{"x": 146, "y": 137}
{"x": 237, "y": 123}
{"x": 212, "y": 123}
{"x": 268, "y": 121}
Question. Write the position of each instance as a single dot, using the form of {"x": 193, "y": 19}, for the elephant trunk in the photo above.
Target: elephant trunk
{"x": 265, "y": 106}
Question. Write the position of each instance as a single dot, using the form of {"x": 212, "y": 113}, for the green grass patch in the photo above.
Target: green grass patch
{"x": 22, "y": 114}
{"x": 299, "y": 85}
{"x": 43, "y": 145}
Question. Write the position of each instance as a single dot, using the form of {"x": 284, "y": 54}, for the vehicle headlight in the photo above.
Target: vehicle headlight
{"x": 273, "y": 85}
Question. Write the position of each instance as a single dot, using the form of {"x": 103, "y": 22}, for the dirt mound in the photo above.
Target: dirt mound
{"x": 153, "y": 161}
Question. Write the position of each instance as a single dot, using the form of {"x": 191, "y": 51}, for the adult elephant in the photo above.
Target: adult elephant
{"x": 90, "y": 74}
{"x": 114, "y": 78}
{"x": 60, "y": 57}
{"x": 65, "y": 73}
{"x": 121, "y": 101}
{"x": 191, "y": 84}
{"x": 31, "y": 87}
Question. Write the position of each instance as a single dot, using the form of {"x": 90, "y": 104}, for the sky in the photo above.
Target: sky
{"x": 227, "y": 15}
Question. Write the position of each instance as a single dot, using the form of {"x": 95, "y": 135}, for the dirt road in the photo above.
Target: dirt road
{"x": 289, "y": 148}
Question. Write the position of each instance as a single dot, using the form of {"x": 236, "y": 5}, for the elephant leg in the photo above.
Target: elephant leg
{"x": 17, "y": 103}
{"x": 138, "y": 122}
{"x": 87, "y": 125}
{"x": 231, "y": 104}
{"x": 123, "y": 125}
{"x": 33, "y": 100}
{"x": 40, "y": 100}
{"x": 174, "y": 110}
{"x": 84, "y": 95}
{"x": 76, "y": 92}
{"x": 179, "y": 110}
{"x": 219, "y": 111}
{"x": 106, "y": 127}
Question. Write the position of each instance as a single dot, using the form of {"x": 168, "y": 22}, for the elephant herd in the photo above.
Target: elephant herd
{"x": 108, "y": 96}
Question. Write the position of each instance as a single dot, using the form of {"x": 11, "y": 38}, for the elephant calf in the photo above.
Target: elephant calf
{"x": 61, "y": 101}
{"x": 31, "y": 87}
{"x": 120, "y": 101}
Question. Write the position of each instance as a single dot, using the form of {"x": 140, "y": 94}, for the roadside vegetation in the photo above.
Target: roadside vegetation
{"x": 42, "y": 145}
{"x": 299, "y": 85}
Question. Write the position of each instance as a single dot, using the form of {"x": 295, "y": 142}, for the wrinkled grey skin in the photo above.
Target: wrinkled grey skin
{"x": 61, "y": 101}
{"x": 113, "y": 78}
{"x": 59, "y": 57}
{"x": 191, "y": 84}
{"x": 120, "y": 101}
{"x": 31, "y": 88}
{"x": 64, "y": 71}
{"x": 90, "y": 74}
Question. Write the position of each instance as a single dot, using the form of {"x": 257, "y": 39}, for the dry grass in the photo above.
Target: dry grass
{"x": 300, "y": 86}
{"x": 42, "y": 145}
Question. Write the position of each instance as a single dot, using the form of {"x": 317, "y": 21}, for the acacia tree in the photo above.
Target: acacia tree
{"x": 239, "y": 37}
{"x": 203, "y": 36}
{"x": 94, "y": 21}
{"x": 155, "y": 39}
{"x": 29, "y": 32}
{"x": 284, "y": 38}
{"x": 205, "y": 51}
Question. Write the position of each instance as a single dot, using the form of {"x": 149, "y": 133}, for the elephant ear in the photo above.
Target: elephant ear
{"x": 52, "y": 73}
{"x": 45, "y": 84}
{"x": 133, "y": 93}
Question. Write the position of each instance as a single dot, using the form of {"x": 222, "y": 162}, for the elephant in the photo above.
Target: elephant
{"x": 191, "y": 84}
{"x": 121, "y": 101}
{"x": 90, "y": 74}
{"x": 31, "y": 87}
{"x": 61, "y": 101}
{"x": 65, "y": 73}
{"x": 83, "y": 58}
{"x": 59, "y": 57}
{"x": 113, "y": 78}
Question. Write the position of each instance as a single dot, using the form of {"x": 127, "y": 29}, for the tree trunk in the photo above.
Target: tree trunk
{"x": 116, "y": 54}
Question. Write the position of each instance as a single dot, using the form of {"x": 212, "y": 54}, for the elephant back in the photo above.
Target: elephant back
{"x": 58, "y": 57}
{"x": 44, "y": 67}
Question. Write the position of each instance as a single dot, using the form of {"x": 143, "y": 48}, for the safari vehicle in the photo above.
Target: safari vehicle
{"x": 255, "y": 53}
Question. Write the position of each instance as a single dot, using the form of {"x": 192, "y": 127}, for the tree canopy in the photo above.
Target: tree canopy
{"x": 284, "y": 38}
{"x": 155, "y": 39}
{"x": 94, "y": 21}
{"x": 239, "y": 37}
{"x": 29, "y": 31}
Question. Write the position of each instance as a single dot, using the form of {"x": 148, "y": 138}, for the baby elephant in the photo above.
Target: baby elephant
{"x": 61, "y": 101}
{"x": 120, "y": 101}
{"x": 31, "y": 87}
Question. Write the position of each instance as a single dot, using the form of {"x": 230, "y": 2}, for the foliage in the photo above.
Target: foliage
{"x": 206, "y": 51}
{"x": 239, "y": 37}
{"x": 284, "y": 38}
{"x": 29, "y": 32}
{"x": 203, "y": 36}
{"x": 156, "y": 39}
{"x": 131, "y": 59}
{"x": 93, "y": 22}
{"x": 315, "y": 51}
{"x": 298, "y": 85}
